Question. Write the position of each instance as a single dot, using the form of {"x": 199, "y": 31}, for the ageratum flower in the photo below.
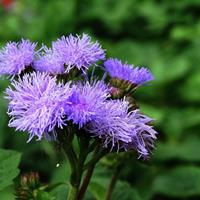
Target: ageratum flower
{"x": 112, "y": 124}
{"x": 136, "y": 76}
{"x": 49, "y": 61}
{"x": 85, "y": 101}
{"x": 121, "y": 129}
{"x": 15, "y": 57}
{"x": 36, "y": 104}
{"x": 78, "y": 51}
{"x": 143, "y": 134}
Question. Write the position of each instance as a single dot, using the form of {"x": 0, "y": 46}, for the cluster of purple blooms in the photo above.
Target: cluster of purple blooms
{"x": 40, "y": 103}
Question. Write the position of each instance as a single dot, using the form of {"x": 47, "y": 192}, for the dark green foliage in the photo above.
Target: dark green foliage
{"x": 161, "y": 34}
{"x": 9, "y": 161}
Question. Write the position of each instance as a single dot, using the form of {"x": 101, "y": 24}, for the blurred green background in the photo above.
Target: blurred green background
{"x": 161, "y": 34}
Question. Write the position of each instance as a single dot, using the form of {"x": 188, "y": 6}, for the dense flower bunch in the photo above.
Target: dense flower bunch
{"x": 52, "y": 89}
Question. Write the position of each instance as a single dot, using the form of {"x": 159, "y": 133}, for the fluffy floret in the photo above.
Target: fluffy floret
{"x": 36, "y": 104}
{"x": 85, "y": 101}
{"x": 15, "y": 57}
{"x": 49, "y": 61}
{"x": 136, "y": 76}
{"x": 78, "y": 51}
{"x": 121, "y": 129}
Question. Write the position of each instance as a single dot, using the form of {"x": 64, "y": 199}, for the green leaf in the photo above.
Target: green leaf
{"x": 153, "y": 111}
{"x": 187, "y": 150}
{"x": 176, "y": 122}
{"x": 99, "y": 183}
{"x": 60, "y": 192}
{"x": 112, "y": 13}
{"x": 8, "y": 193}
{"x": 123, "y": 191}
{"x": 98, "y": 189}
{"x": 42, "y": 195}
{"x": 61, "y": 174}
{"x": 9, "y": 161}
{"x": 188, "y": 91}
{"x": 179, "y": 182}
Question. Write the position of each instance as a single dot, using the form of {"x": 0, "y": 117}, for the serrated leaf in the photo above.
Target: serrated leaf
{"x": 179, "y": 182}
{"x": 9, "y": 161}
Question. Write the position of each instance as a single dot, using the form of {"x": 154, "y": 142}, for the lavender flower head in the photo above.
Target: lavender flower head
{"x": 78, "y": 51}
{"x": 15, "y": 57}
{"x": 49, "y": 61}
{"x": 111, "y": 123}
{"x": 143, "y": 134}
{"x": 121, "y": 129}
{"x": 35, "y": 104}
{"x": 85, "y": 101}
{"x": 136, "y": 76}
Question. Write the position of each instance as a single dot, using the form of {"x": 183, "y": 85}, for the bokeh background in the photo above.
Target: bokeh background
{"x": 161, "y": 34}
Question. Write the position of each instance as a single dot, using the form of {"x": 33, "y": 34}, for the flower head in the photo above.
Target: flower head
{"x": 137, "y": 76}
{"x": 111, "y": 123}
{"x": 36, "y": 104}
{"x": 49, "y": 61}
{"x": 78, "y": 51}
{"x": 85, "y": 101}
{"x": 143, "y": 134}
{"x": 121, "y": 129}
{"x": 15, "y": 57}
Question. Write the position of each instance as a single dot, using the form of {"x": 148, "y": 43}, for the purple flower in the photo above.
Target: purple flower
{"x": 78, "y": 51}
{"x": 111, "y": 123}
{"x": 121, "y": 129}
{"x": 15, "y": 57}
{"x": 36, "y": 104}
{"x": 143, "y": 134}
{"x": 85, "y": 101}
{"x": 49, "y": 61}
{"x": 117, "y": 69}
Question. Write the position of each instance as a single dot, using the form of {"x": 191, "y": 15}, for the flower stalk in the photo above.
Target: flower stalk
{"x": 113, "y": 182}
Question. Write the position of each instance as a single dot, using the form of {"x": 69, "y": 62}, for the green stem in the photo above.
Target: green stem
{"x": 77, "y": 166}
{"x": 84, "y": 144}
{"x": 96, "y": 158}
{"x": 85, "y": 183}
{"x": 113, "y": 182}
{"x": 66, "y": 140}
{"x": 98, "y": 154}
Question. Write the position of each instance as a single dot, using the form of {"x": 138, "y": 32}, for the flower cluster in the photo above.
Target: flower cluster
{"x": 43, "y": 101}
